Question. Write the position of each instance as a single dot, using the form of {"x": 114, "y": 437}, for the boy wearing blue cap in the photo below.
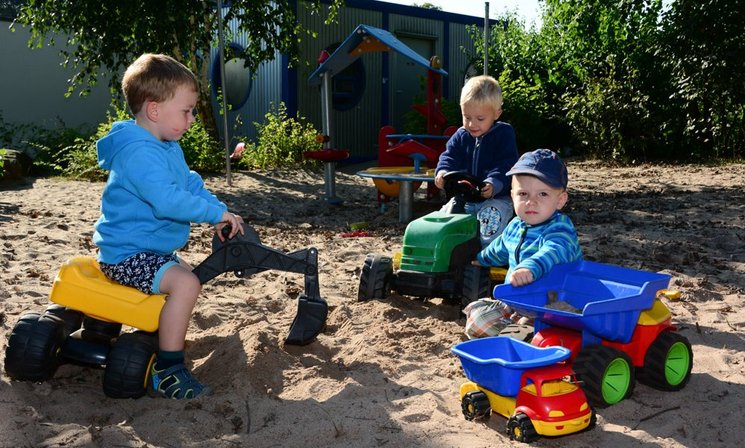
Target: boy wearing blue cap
{"x": 539, "y": 237}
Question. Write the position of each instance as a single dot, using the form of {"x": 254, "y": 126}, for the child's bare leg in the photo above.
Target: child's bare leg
{"x": 170, "y": 377}
{"x": 182, "y": 288}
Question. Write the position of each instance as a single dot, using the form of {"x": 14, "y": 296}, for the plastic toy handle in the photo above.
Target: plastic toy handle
{"x": 225, "y": 231}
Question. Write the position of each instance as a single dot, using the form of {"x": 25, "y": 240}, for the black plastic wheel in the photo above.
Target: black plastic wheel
{"x": 475, "y": 284}
{"x": 71, "y": 319}
{"x": 606, "y": 374}
{"x": 375, "y": 277}
{"x": 521, "y": 332}
{"x": 34, "y": 346}
{"x": 460, "y": 183}
{"x": 475, "y": 405}
{"x": 101, "y": 329}
{"x": 520, "y": 428}
{"x": 668, "y": 362}
{"x": 593, "y": 421}
{"x": 128, "y": 365}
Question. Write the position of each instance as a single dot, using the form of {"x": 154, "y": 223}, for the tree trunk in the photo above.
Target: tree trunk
{"x": 204, "y": 109}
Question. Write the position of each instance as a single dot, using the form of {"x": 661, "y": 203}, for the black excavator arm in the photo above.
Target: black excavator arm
{"x": 245, "y": 256}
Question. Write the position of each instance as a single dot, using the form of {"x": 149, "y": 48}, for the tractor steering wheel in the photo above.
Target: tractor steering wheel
{"x": 463, "y": 186}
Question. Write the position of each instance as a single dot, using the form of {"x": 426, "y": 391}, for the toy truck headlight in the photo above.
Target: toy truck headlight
{"x": 555, "y": 413}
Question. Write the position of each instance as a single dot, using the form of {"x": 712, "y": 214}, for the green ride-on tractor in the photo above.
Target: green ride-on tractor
{"x": 435, "y": 259}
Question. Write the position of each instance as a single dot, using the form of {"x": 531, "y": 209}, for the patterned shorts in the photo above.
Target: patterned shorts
{"x": 139, "y": 271}
{"x": 487, "y": 317}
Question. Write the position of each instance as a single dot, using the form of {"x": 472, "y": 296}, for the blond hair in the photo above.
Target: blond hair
{"x": 482, "y": 90}
{"x": 154, "y": 77}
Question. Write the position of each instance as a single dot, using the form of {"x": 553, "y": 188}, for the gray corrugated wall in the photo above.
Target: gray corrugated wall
{"x": 459, "y": 38}
{"x": 265, "y": 90}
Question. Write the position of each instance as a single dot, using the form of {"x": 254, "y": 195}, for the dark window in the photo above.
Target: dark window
{"x": 347, "y": 86}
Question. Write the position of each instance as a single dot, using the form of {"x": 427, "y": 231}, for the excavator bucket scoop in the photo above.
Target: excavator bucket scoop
{"x": 309, "y": 321}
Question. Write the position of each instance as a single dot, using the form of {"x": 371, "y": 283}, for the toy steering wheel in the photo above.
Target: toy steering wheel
{"x": 460, "y": 183}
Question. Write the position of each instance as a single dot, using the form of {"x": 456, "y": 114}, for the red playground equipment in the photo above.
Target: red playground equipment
{"x": 397, "y": 151}
{"x": 403, "y": 158}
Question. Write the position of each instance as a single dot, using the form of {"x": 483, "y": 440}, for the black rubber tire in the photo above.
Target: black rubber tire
{"x": 375, "y": 277}
{"x": 475, "y": 284}
{"x": 596, "y": 368}
{"x": 521, "y": 332}
{"x": 102, "y": 329}
{"x": 520, "y": 428}
{"x": 475, "y": 405}
{"x": 71, "y": 319}
{"x": 128, "y": 365}
{"x": 34, "y": 348}
{"x": 669, "y": 351}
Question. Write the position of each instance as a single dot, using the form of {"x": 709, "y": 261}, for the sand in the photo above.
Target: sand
{"x": 381, "y": 373}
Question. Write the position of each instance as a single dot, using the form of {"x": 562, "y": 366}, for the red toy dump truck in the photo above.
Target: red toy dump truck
{"x": 530, "y": 386}
{"x": 611, "y": 321}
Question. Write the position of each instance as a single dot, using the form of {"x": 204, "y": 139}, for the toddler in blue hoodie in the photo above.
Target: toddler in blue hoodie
{"x": 149, "y": 202}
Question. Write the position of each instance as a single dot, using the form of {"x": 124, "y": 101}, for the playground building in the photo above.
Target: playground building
{"x": 376, "y": 90}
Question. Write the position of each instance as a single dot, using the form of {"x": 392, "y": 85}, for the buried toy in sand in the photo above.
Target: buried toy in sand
{"x": 84, "y": 322}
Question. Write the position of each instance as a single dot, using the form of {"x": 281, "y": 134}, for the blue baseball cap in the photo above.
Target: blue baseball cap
{"x": 543, "y": 164}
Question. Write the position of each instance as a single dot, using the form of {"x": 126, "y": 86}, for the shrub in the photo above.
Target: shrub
{"x": 281, "y": 141}
{"x": 71, "y": 155}
{"x": 53, "y": 148}
{"x": 77, "y": 158}
{"x": 202, "y": 152}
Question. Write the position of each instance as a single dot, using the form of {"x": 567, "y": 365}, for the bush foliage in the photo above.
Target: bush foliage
{"x": 630, "y": 80}
{"x": 281, "y": 141}
{"x": 67, "y": 152}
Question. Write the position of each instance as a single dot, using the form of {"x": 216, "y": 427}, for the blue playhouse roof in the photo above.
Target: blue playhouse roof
{"x": 365, "y": 39}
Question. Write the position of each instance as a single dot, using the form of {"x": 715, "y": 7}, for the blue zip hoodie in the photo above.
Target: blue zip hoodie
{"x": 487, "y": 157}
{"x": 151, "y": 197}
{"x": 537, "y": 248}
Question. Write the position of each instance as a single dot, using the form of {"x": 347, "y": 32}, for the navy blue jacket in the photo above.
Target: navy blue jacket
{"x": 487, "y": 158}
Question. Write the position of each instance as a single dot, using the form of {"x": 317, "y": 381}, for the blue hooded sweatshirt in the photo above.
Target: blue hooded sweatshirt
{"x": 537, "y": 248}
{"x": 487, "y": 157}
{"x": 151, "y": 197}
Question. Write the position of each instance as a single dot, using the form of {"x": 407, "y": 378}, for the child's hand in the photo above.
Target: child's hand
{"x": 440, "y": 179}
{"x": 476, "y": 263}
{"x": 521, "y": 277}
{"x": 229, "y": 219}
{"x": 487, "y": 190}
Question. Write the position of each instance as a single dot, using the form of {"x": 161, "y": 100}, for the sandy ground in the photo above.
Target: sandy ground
{"x": 381, "y": 373}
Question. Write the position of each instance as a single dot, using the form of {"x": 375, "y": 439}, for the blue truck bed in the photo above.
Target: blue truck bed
{"x": 608, "y": 299}
{"x": 497, "y": 363}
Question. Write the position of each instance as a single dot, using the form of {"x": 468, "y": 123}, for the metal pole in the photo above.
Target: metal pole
{"x": 486, "y": 38}
{"x": 326, "y": 107}
{"x": 221, "y": 49}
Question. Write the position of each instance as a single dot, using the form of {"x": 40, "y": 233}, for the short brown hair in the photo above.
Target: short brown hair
{"x": 154, "y": 77}
{"x": 482, "y": 90}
